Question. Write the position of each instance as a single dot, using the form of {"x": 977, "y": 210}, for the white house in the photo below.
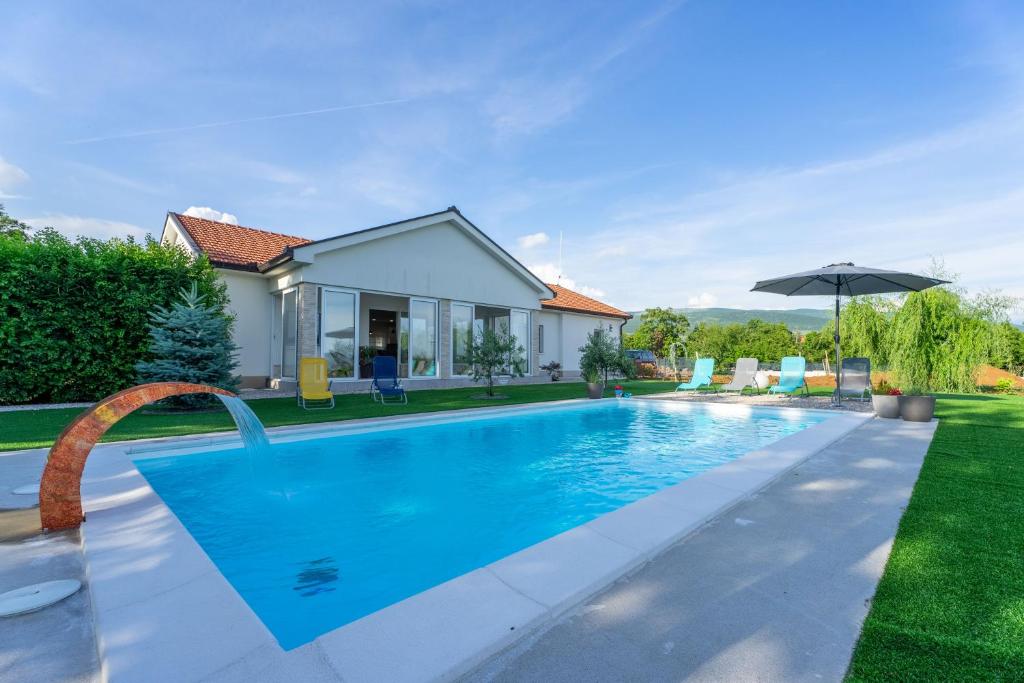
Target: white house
{"x": 415, "y": 290}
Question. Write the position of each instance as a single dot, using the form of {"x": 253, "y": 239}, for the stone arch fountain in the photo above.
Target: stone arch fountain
{"x": 60, "y": 491}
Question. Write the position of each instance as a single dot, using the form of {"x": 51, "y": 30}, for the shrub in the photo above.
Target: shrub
{"x": 74, "y": 314}
{"x": 191, "y": 342}
{"x": 1004, "y": 385}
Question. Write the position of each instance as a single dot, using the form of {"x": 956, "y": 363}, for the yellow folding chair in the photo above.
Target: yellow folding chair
{"x": 314, "y": 385}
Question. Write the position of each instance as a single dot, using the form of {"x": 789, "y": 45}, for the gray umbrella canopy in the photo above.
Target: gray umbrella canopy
{"x": 845, "y": 279}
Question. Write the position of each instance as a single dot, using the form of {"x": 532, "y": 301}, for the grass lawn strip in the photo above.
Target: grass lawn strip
{"x": 950, "y": 605}
{"x": 38, "y": 428}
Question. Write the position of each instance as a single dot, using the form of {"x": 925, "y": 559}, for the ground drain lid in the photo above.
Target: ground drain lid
{"x": 36, "y": 596}
{"x": 27, "y": 490}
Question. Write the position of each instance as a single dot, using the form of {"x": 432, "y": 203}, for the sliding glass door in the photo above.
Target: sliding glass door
{"x": 285, "y": 342}
{"x": 520, "y": 329}
{"x": 338, "y": 332}
{"x": 423, "y": 338}
{"x": 462, "y": 333}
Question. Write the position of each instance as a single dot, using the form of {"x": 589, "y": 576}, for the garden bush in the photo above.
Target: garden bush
{"x": 74, "y": 315}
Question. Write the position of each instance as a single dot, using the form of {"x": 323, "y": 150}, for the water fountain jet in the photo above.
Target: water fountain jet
{"x": 60, "y": 491}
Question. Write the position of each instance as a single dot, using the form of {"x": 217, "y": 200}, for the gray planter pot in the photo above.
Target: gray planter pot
{"x": 595, "y": 390}
{"x": 917, "y": 408}
{"x": 886, "y": 406}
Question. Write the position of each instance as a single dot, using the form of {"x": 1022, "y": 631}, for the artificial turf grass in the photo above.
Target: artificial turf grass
{"x": 950, "y": 605}
{"x": 21, "y": 429}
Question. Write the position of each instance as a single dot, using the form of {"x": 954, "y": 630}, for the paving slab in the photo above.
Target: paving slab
{"x": 774, "y": 589}
{"x": 56, "y": 643}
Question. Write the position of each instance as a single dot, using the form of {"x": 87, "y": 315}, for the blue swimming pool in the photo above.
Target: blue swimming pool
{"x": 331, "y": 529}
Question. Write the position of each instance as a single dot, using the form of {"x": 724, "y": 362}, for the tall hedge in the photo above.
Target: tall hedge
{"x": 74, "y": 315}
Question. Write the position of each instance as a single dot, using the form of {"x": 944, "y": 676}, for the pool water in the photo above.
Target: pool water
{"x": 328, "y": 530}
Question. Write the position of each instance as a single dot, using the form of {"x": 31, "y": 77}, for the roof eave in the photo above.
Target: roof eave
{"x": 598, "y": 314}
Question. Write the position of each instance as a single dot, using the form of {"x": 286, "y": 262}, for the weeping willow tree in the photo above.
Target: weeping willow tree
{"x": 937, "y": 342}
{"x": 864, "y": 326}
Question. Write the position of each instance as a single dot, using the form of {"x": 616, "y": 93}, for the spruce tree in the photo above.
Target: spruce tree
{"x": 191, "y": 342}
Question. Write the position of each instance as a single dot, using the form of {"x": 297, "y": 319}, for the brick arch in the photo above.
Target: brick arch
{"x": 60, "y": 491}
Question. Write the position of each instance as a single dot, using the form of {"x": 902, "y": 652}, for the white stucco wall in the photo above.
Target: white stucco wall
{"x": 438, "y": 261}
{"x": 173, "y": 236}
{"x": 574, "y": 330}
{"x": 250, "y": 302}
{"x": 552, "y": 323}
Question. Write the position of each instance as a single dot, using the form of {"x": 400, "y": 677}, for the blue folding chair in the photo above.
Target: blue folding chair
{"x": 385, "y": 383}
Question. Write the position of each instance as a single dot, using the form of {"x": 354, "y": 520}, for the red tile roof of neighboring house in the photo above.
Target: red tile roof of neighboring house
{"x": 568, "y": 300}
{"x": 236, "y": 246}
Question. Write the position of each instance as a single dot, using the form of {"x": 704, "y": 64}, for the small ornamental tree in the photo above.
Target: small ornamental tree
{"x": 191, "y": 342}
{"x": 601, "y": 355}
{"x": 495, "y": 353}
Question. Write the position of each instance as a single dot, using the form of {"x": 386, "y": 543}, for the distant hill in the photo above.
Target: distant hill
{"x": 797, "y": 319}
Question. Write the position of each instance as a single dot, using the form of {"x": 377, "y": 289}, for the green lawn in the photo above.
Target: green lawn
{"x": 34, "y": 428}
{"x": 950, "y": 605}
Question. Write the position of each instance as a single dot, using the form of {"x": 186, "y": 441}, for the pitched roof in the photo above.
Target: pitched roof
{"x": 568, "y": 300}
{"x": 236, "y": 246}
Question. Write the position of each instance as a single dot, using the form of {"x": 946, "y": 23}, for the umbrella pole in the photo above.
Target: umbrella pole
{"x": 837, "y": 398}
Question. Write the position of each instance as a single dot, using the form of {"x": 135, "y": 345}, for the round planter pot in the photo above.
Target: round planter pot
{"x": 886, "y": 406}
{"x": 917, "y": 408}
{"x": 595, "y": 390}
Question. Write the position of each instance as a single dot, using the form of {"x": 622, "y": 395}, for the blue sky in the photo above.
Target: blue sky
{"x": 682, "y": 149}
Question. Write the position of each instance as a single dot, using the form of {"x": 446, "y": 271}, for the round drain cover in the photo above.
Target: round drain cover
{"x": 27, "y": 490}
{"x": 36, "y": 596}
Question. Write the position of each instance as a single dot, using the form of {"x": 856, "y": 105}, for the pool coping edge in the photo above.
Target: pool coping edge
{"x": 438, "y": 634}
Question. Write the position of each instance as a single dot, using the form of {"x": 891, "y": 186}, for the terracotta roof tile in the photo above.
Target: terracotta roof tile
{"x": 568, "y": 300}
{"x": 236, "y": 246}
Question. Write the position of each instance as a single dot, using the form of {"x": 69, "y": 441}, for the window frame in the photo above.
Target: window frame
{"x": 437, "y": 338}
{"x": 451, "y": 335}
{"x": 321, "y": 330}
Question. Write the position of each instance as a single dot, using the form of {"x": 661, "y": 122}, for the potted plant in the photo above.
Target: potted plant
{"x": 554, "y": 369}
{"x": 916, "y": 406}
{"x": 886, "y": 401}
{"x": 595, "y": 388}
{"x": 600, "y": 356}
{"x": 366, "y": 354}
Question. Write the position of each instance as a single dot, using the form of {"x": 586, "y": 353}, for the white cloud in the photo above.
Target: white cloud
{"x": 548, "y": 272}
{"x": 211, "y": 214}
{"x": 704, "y": 300}
{"x": 10, "y": 177}
{"x": 80, "y": 226}
{"x": 957, "y": 193}
{"x": 533, "y": 240}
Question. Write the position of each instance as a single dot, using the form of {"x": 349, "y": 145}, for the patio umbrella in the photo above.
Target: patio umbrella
{"x": 846, "y": 279}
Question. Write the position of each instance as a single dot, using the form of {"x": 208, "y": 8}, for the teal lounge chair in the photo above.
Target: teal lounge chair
{"x": 702, "y": 371}
{"x": 792, "y": 376}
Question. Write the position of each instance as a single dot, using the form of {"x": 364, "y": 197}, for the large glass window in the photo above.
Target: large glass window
{"x": 520, "y": 329}
{"x": 338, "y": 329}
{"x": 462, "y": 331}
{"x": 423, "y": 338}
{"x": 289, "y": 333}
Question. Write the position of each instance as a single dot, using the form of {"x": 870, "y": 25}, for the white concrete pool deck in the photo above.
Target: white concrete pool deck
{"x": 776, "y": 589}
{"x": 164, "y": 612}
